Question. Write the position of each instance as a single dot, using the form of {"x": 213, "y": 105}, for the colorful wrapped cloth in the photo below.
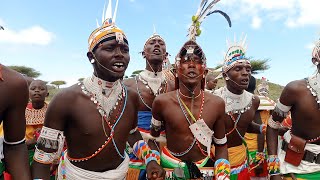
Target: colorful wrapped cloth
{"x": 305, "y": 168}
{"x": 238, "y": 160}
{"x": 252, "y": 171}
{"x": 73, "y": 172}
{"x": 172, "y": 165}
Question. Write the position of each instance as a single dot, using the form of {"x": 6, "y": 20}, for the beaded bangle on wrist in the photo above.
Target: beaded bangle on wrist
{"x": 273, "y": 165}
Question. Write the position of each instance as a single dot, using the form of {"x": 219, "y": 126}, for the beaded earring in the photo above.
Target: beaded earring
{"x": 92, "y": 61}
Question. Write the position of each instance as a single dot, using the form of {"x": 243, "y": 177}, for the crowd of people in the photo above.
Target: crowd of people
{"x": 166, "y": 122}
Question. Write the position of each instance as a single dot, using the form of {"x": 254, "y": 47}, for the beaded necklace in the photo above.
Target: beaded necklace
{"x": 313, "y": 84}
{"x": 189, "y": 122}
{"x": 152, "y": 81}
{"x": 35, "y": 116}
{"x": 164, "y": 90}
{"x": 104, "y": 117}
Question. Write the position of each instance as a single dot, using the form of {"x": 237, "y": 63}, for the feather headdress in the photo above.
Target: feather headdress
{"x": 191, "y": 48}
{"x": 204, "y": 10}
{"x": 108, "y": 29}
{"x": 235, "y": 54}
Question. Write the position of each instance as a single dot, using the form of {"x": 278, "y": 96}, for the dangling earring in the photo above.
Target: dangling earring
{"x": 203, "y": 76}
{"x": 227, "y": 78}
{"x": 176, "y": 75}
{"x": 316, "y": 63}
{"x": 92, "y": 61}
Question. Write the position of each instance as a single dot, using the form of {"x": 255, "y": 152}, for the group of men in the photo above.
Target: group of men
{"x": 161, "y": 124}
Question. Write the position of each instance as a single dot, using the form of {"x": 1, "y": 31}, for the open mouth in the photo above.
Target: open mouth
{"x": 245, "y": 81}
{"x": 118, "y": 66}
{"x": 192, "y": 74}
{"x": 157, "y": 52}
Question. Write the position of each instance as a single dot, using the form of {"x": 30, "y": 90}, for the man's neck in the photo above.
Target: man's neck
{"x": 189, "y": 91}
{"x": 37, "y": 105}
{"x": 153, "y": 67}
{"x": 235, "y": 90}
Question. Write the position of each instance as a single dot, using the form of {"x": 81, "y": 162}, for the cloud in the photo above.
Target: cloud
{"x": 256, "y": 22}
{"x": 293, "y": 13}
{"x": 35, "y": 35}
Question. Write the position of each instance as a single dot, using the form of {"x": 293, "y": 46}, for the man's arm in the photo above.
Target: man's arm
{"x": 14, "y": 126}
{"x": 222, "y": 164}
{"x": 286, "y": 100}
{"x": 54, "y": 124}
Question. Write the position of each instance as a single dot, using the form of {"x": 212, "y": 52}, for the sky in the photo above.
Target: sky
{"x": 52, "y": 36}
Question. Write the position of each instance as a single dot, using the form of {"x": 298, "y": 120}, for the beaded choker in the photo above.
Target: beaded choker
{"x": 313, "y": 84}
{"x": 35, "y": 116}
{"x": 152, "y": 81}
{"x": 105, "y": 94}
{"x": 235, "y": 103}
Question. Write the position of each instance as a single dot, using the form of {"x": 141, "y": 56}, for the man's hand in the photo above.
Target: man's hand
{"x": 155, "y": 171}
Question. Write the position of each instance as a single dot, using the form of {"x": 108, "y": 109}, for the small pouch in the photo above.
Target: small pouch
{"x": 295, "y": 150}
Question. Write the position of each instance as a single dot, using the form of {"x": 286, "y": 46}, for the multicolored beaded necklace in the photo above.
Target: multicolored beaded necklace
{"x": 35, "y": 116}
{"x": 189, "y": 122}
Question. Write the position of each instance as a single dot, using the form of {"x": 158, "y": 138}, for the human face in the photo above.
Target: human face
{"x": 191, "y": 71}
{"x": 211, "y": 84}
{"x": 38, "y": 91}
{"x": 239, "y": 76}
{"x": 155, "y": 50}
{"x": 113, "y": 59}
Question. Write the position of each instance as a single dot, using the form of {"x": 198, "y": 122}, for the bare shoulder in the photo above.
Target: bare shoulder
{"x": 67, "y": 96}
{"x": 132, "y": 93}
{"x": 214, "y": 99}
{"x": 130, "y": 82}
{"x": 297, "y": 85}
{"x": 164, "y": 98}
{"x": 256, "y": 101}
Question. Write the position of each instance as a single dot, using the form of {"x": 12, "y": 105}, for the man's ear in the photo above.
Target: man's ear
{"x": 90, "y": 55}
{"x": 314, "y": 60}
{"x": 205, "y": 72}
{"x": 143, "y": 54}
{"x": 47, "y": 94}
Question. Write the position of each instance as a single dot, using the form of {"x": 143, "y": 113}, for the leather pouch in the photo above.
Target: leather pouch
{"x": 295, "y": 150}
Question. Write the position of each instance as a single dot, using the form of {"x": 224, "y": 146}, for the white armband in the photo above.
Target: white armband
{"x": 44, "y": 157}
{"x": 273, "y": 124}
{"x": 156, "y": 124}
{"x": 220, "y": 142}
{"x": 14, "y": 143}
{"x": 50, "y": 139}
{"x": 281, "y": 109}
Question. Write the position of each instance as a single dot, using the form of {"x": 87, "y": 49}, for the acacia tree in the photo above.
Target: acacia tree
{"x": 80, "y": 79}
{"x": 28, "y": 71}
{"x": 58, "y": 83}
{"x": 134, "y": 73}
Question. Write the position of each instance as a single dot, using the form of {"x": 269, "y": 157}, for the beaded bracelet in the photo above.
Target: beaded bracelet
{"x": 263, "y": 129}
{"x": 273, "y": 165}
{"x": 222, "y": 169}
{"x": 143, "y": 151}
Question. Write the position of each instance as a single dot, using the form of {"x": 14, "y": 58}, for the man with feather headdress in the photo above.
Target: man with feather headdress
{"x": 186, "y": 115}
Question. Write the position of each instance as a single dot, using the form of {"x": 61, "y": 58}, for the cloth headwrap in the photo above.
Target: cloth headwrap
{"x": 236, "y": 53}
{"x": 263, "y": 88}
{"x": 107, "y": 31}
{"x": 316, "y": 50}
{"x": 191, "y": 47}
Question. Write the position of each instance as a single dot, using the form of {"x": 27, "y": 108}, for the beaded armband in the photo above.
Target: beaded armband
{"x": 222, "y": 169}
{"x": 49, "y": 139}
{"x": 156, "y": 124}
{"x": 273, "y": 124}
{"x": 143, "y": 151}
{"x": 220, "y": 142}
{"x": 273, "y": 165}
